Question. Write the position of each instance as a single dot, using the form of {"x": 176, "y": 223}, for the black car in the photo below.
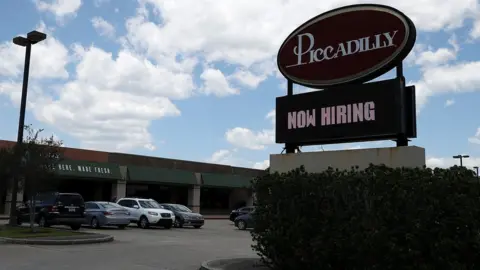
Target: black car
{"x": 244, "y": 222}
{"x": 184, "y": 216}
{"x": 55, "y": 208}
{"x": 240, "y": 211}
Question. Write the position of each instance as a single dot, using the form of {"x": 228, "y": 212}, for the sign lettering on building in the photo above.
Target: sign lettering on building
{"x": 83, "y": 169}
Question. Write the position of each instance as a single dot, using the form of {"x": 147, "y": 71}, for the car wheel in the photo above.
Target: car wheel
{"x": 242, "y": 225}
{"x": 143, "y": 223}
{"x": 75, "y": 227}
{"x": 42, "y": 222}
{"x": 94, "y": 223}
{"x": 197, "y": 226}
{"x": 122, "y": 227}
{"x": 178, "y": 223}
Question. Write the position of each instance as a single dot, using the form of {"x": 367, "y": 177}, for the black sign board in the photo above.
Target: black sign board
{"x": 362, "y": 112}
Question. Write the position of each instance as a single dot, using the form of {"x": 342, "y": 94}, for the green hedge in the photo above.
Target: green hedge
{"x": 377, "y": 218}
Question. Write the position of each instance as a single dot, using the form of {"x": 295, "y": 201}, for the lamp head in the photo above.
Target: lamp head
{"x": 20, "y": 41}
{"x": 35, "y": 36}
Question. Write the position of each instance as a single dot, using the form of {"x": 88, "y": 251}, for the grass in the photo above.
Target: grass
{"x": 25, "y": 232}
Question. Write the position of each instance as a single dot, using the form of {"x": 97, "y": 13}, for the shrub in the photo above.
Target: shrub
{"x": 377, "y": 218}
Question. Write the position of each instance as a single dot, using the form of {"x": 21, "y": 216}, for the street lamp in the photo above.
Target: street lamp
{"x": 32, "y": 38}
{"x": 461, "y": 157}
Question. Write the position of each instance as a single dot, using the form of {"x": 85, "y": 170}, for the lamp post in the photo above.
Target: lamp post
{"x": 461, "y": 157}
{"x": 32, "y": 38}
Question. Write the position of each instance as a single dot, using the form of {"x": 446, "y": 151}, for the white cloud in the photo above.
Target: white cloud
{"x": 453, "y": 78}
{"x": 215, "y": 83}
{"x": 244, "y": 137}
{"x": 241, "y": 33}
{"x": 98, "y": 3}
{"x": 60, "y": 8}
{"x": 229, "y": 157}
{"x": 271, "y": 116}
{"x": 103, "y": 27}
{"x": 434, "y": 58}
{"x": 253, "y": 140}
{"x": 109, "y": 112}
{"x": 476, "y": 138}
{"x": 48, "y": 60}
{"x": 117, "y": 108}
{"x": 475, "y": 31}
{"x": 222, "y": 156}
{"x": 248, "y": 78}
{"x": 449, "y": 102}
{"x": 427, "y": 57}
{"x": 262, "y": 165}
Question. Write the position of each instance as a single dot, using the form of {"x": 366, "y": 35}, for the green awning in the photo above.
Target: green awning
{"x": 226, "y": 180}
{"x": 161, "y": 175}
{"x": 85, "y": 169}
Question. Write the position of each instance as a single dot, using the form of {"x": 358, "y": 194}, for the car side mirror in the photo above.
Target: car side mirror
{"x": 136, "y": 207}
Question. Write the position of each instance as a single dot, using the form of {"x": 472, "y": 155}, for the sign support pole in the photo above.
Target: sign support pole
{"x": 402, "y": 139}
{"x": 290, "y": 148}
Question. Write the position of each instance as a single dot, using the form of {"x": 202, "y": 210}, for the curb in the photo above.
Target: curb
{"x": 22, "y": 241}
{"x": 227, "y": 262}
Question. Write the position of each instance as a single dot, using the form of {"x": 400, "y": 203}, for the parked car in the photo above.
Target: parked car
{"x": 147, "y": 212}
{"x": 54, "y": 208}
{"x": 184, "y": 216}
{"x": 240, "y": 211}
{"x": 99, "y": 214}
{"x": 244, "y": 222}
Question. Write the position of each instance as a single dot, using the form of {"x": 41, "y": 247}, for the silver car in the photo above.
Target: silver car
{"x": 98, "y": 214}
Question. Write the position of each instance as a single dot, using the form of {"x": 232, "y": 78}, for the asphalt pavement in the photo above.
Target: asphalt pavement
{"x": 134, "y": 248}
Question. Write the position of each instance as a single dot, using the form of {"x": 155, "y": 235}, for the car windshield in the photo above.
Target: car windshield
{"x": 110, "y": 205}
{"x": 181, "y": 208}
{"x": 149, "y": 204}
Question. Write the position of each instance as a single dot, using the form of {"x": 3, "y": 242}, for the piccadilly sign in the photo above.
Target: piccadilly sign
{"x": 348, "y": 45}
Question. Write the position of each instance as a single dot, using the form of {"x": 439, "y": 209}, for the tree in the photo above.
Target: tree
{"x": 376, "y": 218}
{"x": 39, "y": 158}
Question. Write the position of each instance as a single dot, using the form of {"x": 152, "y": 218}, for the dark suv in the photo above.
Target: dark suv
{"x": 240, "y": 211}
{"x": 55, "y": 208}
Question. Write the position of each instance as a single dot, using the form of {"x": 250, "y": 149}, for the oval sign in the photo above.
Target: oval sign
{"x": 352, "y": 44}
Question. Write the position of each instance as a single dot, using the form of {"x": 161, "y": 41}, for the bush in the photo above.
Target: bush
{"x": 377, "y": 218}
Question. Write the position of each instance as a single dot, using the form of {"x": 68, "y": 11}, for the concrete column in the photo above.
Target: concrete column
{"x": 194, "y": 198}
{"x": 8, "y": 200}
{"x": 119, "y": 189}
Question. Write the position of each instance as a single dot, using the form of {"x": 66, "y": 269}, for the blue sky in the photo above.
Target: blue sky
{"x": 196, "y": 79}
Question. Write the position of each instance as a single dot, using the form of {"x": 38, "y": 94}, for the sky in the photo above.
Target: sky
{"x": 197, "y": 79}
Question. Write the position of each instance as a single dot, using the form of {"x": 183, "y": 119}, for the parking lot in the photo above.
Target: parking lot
{"x": 134, "y": 248}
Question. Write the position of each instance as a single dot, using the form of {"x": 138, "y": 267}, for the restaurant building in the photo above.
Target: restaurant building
{"x": 205, "y": 188}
